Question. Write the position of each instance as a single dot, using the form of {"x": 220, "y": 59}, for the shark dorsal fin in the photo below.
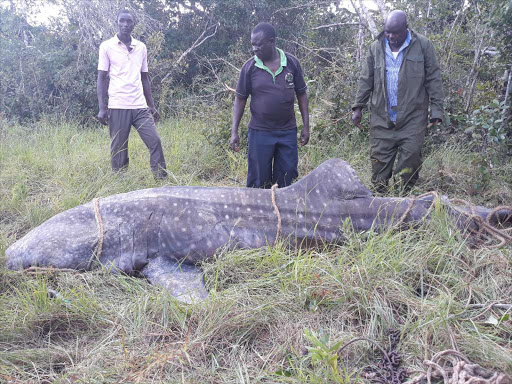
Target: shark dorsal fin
{"x": 334, "y": 179}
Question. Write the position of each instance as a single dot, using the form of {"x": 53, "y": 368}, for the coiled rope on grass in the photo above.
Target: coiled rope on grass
{"x": 455, "y": 368}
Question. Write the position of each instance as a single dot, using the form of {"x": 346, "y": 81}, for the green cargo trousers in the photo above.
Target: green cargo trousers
{"x": 401, "y": 143}
{"x": 120, "y": 122}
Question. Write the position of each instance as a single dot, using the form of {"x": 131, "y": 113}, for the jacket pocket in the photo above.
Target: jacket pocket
{"x": 415, "y": 66}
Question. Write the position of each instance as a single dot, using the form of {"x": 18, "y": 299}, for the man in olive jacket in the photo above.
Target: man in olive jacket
{"x": 402, "y": 76}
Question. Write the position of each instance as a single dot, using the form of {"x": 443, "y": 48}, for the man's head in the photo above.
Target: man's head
{"x": 126, "y": 22}
{"x": 263, "y": 40}
{"x": 395, "y": 28}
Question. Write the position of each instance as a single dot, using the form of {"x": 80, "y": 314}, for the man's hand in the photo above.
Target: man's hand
{"x": 304, "y": 136}
{"x": 103, "y": 116}
{"x": 156, "y": 115}
{"x": 356, "y": 117}
{"x": 234, "y": 143}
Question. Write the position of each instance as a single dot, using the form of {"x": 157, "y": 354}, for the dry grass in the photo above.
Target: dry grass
{"x": 104, "y": 328}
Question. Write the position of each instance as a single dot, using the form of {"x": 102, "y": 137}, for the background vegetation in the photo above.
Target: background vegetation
{"x": 266, "y": 305}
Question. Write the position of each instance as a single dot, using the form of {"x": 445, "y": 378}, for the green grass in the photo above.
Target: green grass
{"x": 264, "y": 303}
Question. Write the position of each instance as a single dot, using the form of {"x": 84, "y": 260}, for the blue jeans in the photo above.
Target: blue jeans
{"x": 273, "y": 158}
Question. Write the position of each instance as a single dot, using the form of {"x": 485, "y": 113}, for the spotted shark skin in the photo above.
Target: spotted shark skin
{"x": 163, "y": 233}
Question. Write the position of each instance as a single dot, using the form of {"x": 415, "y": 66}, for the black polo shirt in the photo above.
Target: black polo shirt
{"x": 272, "y": 96}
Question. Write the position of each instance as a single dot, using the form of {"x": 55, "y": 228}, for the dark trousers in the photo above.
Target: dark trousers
{"x": 120, "y": 122}
{"x": 404, "y": 146}
{"x": 273, "y": 158}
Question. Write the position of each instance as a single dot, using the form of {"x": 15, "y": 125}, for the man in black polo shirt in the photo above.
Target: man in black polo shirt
{"x": 272, "y": 78}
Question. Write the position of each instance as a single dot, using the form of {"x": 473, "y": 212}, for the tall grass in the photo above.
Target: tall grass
{"x": 103, "y": 328}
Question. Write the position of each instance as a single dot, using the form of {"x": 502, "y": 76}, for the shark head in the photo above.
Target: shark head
{"x": 67, "y": 240}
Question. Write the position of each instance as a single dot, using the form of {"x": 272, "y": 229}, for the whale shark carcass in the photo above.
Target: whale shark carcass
{"x": 163, "y": 233}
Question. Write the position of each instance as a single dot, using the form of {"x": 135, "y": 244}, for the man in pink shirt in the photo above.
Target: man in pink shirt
{"x": 123, "y": 68}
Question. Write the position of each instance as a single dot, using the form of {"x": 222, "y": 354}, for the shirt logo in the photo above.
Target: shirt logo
{"x": 289, "y": 80}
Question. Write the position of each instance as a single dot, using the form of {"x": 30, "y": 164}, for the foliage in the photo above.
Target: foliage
{"x": 53, "y": 72}
{"x": 325, "y": 354}
{"x": 502, "y": 23}
{"x": 486, "y": 123}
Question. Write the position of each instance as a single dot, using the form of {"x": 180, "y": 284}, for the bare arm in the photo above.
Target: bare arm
{"x": 238, "y": 112}
{"x": 303, "y": 101}
{"x": 101, "y": 88}
{"x": 146, "y": 87}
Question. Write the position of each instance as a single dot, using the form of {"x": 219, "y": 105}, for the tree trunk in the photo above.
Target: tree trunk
{"x": 504, "y": 117}
{"x": 473, "y": 74}
{"x": 369, "y": 19}
{"x": 429, "y": 7}
{"x": 360, "y": 42}
{"x": 448, "y": 54}
{"x": 381, "y": 4}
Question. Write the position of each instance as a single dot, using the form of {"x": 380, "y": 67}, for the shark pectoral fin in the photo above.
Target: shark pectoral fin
{"x": 184, "y": 281}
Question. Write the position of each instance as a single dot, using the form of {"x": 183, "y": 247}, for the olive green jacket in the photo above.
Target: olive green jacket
{"x": 419, "y": 83}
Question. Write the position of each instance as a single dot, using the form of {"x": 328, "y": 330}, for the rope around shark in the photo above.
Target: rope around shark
{"x": 484, "y": 227}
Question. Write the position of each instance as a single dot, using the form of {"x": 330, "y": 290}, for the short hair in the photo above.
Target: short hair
{"x": 129, "y": 11}
{"x": 268, "y": 30}
{"x": 398, "y": 18}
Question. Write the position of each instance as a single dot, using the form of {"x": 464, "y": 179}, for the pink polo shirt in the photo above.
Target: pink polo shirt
{"x": 124, "y": 68}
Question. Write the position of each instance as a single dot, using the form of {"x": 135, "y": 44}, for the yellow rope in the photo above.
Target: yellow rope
{"x": 99, "y": 223}
{"x": 276, "y": 210}
{"x": 411, "y": 206}
{"x": 484, "y": 226}
{"x": 45, "y": 270}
